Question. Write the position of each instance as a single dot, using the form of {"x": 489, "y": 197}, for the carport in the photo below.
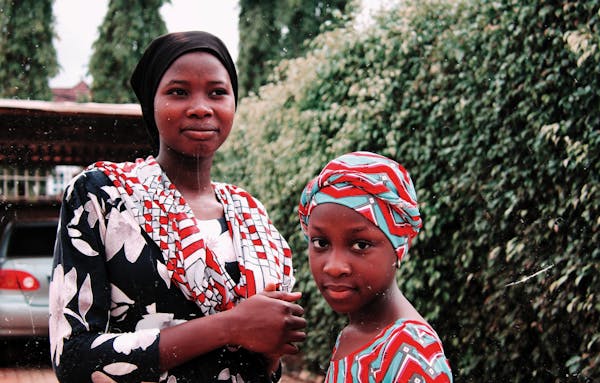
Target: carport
{"x": 42, "y": 141}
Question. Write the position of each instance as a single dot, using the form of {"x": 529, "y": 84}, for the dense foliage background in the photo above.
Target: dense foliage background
{"x": 27, "y": 55}
{"x": 494, "y": 108}
{"x": 273, "y": 30}
{"x": 126, "y": 30}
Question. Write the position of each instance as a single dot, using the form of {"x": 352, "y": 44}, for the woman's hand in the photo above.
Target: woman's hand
{"x": 269, "y": 322}
{"x": 273, "y": 360}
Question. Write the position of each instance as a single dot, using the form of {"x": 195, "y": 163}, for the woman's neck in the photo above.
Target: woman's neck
{"x": 191, "y": 175}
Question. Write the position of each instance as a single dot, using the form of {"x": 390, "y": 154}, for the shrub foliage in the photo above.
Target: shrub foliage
{"x": 494, "y": 108}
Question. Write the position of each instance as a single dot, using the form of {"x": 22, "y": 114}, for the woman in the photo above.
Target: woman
{"x": 161, "y": 274}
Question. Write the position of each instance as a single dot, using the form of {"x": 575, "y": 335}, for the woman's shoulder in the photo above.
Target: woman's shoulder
{"x": 124, "y": 166}
{"x": 89, "y": 177}
{"x": 95, "y": 176}
{"x": 235, "y": 191}
{"x": 229, "y": 187}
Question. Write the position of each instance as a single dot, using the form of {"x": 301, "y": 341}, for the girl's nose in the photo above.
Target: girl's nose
{"x": 336, "y": 265}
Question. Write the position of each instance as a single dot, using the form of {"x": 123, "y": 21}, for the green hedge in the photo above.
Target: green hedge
{"x": 494, "y": 108}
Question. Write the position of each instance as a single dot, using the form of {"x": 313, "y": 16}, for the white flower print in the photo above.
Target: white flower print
{"x": 158, "y": 320}
{"x": 85, "y": 300}
{"x": 120, "y": 368}
{"x": 226, "y": 375}
{"x": 112, "y": 192}
{"x": 164, "y": 273}
{"x": 74, "y": 234}
{"x": 125, "y": 343}
{"x": 92, "y": 207}
{"x": 102, "y": 338}
{"x": 120, "y": 303}
{"x": 83, "y": 247}
{"x": 63, "y": 289}
{"x": 123, "y": 231}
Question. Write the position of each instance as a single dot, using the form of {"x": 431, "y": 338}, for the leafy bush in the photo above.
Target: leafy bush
{"x": 494, "y": 108}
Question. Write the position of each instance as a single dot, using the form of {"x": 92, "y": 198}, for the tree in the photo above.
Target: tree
{"x": 304, "y": 20}
{"x": 126, "y": 30}
{"x": 273, "y": 30}
{"x": 27, "y": 56}
{"x": 259, "y": 43}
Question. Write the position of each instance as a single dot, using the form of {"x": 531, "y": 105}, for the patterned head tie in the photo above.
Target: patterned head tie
{"x": 373, "y": 185}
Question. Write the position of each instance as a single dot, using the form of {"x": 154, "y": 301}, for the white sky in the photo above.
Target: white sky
{"x": 77, "y": 22}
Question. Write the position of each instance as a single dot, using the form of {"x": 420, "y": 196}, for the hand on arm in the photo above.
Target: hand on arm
{"x": 267, "y": 323}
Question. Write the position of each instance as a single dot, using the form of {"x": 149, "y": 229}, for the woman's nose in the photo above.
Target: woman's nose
{"x": 199, "y": 107}
{"x": 336, "y": 264}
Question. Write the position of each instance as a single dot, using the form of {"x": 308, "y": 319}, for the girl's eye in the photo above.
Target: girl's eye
{"x": 318, "y": 243}
{"x": 361, "y": 245}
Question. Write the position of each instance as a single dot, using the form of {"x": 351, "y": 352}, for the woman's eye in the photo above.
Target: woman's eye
{"x": 318, "y": 243}
{"x": 177, "y": 92}
{"x": 361, "y": 245}
{"x": 218, "y": 92}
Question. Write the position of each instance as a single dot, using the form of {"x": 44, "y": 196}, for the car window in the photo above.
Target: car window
{"x": 34, "y": 240}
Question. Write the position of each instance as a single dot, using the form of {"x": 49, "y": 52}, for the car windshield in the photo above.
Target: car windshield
{"x": 32, "y": 240}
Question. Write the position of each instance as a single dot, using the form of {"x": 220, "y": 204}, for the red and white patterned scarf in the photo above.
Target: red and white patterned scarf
{"x": 262, "y": 253}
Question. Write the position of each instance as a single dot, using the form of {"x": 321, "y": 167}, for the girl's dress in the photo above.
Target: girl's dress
{"x": 405, "y": 351}
{"x": 131, "y": 259}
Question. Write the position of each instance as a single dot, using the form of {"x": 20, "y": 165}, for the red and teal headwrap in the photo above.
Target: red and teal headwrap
{"x": 373, "y": 185}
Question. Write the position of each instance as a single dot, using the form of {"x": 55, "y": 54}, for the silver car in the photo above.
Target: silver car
{"x": 26, "y": 249}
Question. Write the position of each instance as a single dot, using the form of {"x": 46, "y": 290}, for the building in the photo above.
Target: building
{"x": 79, "y": 93}
{"x": 44, "y": 144}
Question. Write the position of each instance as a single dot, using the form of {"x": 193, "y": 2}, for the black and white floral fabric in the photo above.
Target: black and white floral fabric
{"x": 112, "y": 292}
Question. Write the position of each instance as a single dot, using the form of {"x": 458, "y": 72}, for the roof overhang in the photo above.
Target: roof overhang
{"x": 42, "y": 133}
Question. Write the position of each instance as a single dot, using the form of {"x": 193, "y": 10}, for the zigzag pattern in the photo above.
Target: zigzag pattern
{"x": 375, "y": 186}
{"x": 263, "y": 255}
{"x": 407, "y": 351}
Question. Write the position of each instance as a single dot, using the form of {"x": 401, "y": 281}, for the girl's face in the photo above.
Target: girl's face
{"x": 351, "y": 260}
{"x": 194, "y": 105}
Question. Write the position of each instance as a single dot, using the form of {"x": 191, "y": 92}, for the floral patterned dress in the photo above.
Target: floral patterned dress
{"x": 114, "y": 286}
{"x": 407, "y": 351}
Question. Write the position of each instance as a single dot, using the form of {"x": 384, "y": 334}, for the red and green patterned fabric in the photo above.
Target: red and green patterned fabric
{"x": 407, "y": 351}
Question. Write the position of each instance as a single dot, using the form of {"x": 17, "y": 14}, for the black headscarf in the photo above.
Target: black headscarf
{"x": 157, "y": 58}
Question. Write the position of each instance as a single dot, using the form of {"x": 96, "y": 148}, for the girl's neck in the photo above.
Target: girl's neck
{"x": 378, "y": 314}
{"x": 384, "y": 312}
{"x": 371, "y": 321}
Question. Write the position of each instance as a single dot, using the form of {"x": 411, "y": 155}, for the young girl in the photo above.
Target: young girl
{"x": 161, "y": 274}
{"x": 359, "y": 216}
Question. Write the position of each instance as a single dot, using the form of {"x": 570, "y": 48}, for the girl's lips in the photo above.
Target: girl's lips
{"x": 338, "y": 292}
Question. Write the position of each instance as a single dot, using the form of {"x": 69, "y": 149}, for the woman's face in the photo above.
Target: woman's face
{"x": 194, "y": 106}
{"x": 351, "y": 259}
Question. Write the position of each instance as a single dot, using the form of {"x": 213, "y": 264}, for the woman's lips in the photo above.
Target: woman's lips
{"x": 200, "y": 133}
